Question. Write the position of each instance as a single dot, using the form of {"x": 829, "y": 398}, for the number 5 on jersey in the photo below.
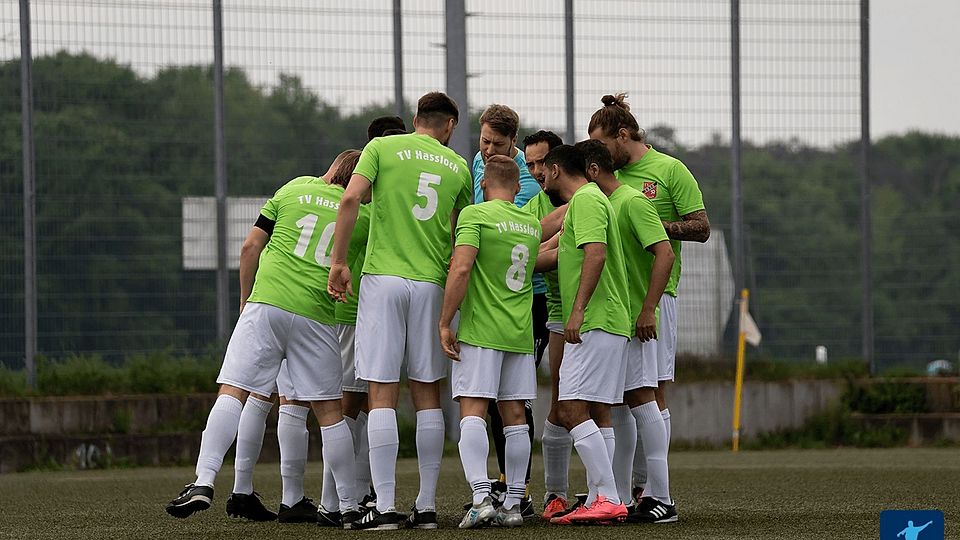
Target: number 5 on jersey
{"x": 426, "y": 190}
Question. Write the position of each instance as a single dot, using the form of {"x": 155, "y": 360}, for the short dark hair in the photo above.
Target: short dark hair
{"x": 595, "y": 151}
{"x": 549, "y": 137}
{"x": 501, "y": 119}
{"x": 568, "y": 158}
{"x": 436, "y": 107}
{"x": 394, "y": 131}
{"x": 380, "y": 125}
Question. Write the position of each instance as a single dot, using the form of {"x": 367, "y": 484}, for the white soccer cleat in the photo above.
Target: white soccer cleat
{"x": 479, "y": 515}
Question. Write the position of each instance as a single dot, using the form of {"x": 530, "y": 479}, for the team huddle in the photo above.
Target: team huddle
{"x": 401, "y": 258}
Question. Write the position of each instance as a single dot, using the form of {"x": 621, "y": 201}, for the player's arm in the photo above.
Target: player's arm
{"x": 594, "y": 257}
{"x": 662, "y": 264}
{"x": 546, "y": 260}
{"x": 925, "y": 526}
{"x": 453, "y": 294}
{"x": 693, "y": 227}
{"x": 339, "y": 284}
{"x": 551, "y": 223}
{"x": 250, "y": 252}
{"x": 552, "y": 243}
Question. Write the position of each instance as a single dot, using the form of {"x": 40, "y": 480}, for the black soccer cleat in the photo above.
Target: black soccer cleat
{"x": 329, "y": 519}
{"x": 351, "y": 516}
{"x": 192, "y": 499}
{"x": 302, "y": 512}
{"x": 650, "y": 510}
{"x": 375, "y": 520}
{"x": 248, "y": 506}
{"x": 526, "y": 508}
{"x": 498, "y": 493}
{"x": 422, "y": 519}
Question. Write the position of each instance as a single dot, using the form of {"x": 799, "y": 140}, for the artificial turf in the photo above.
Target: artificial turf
{"x": 813, "y": 494}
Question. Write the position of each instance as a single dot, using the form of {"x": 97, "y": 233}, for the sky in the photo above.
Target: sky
{"x": 799, "y": 72}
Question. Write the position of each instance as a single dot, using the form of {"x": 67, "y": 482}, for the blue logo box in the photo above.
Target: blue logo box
{"x": 911, "y": 525}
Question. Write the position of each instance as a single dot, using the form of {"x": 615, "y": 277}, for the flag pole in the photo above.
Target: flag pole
{"x": 738, "y": 387}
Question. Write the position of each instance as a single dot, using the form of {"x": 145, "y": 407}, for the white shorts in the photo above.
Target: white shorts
{"x": 667, "y": 338}
{"x": 284, "y": 382}
{"x": 347, "y": 333}
{"x": 595, "y": 369}
{"x": 264, "y": 336}
{"x": 396, "y": 321}
{"x": 555, "y": 326}
{"x": 493, "y": 374}
{"x": 642, "y": 364}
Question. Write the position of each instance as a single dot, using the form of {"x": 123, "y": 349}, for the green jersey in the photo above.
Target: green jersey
{"x": 295, "y": 264}
{"x": 347, "y": 311}
{"x": 540, "y": 206}
{"x": 640, "y": 227}
{"x": 417, "y": 184}
{"x": 497, "y": 310}
{"x": 590, "y": 218}
{"x": 666, "y": 182}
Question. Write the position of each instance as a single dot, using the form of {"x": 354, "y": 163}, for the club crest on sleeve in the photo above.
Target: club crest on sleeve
{"x": 650, "y": 190}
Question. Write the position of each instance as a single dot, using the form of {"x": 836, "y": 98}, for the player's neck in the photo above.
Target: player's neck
{"x": 494, "y": 195}
{"x": 431, "y": 132}
{"x": 637, "y": 150}
{"x": 607, "y": 183}
{"x": 571, "y": 185}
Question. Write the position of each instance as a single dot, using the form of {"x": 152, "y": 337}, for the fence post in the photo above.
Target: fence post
{"x": 866, "y": 266}
{"x": 736, "y": 201}
{"x": 568, "y": 62}
{"x": 220, "y": 177}
{"x": 29, "y": 199}
{"x": 456, "y": 45}
{"x": 398, "y": 58}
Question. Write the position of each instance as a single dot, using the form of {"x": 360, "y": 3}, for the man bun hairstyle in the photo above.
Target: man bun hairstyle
{"x": 501, "y": 119}
{"x": 614, "y": 115}
{"x": 552, "y": 139}
{"x": 595, "y": 151}
{"x": 348, "y": 162}
{"x": 436, "y": 108}
{"x": 380, "y": 125}
{"x": 568, "y": 158}
{"x": 502, "y": 171}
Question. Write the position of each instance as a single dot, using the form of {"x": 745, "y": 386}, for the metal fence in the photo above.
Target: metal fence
{"x": 123, "y": 113}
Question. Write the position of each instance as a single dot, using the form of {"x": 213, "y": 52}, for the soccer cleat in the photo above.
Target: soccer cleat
{"x": 328, "y": 519}
{"x": 508, "y": 518}
{"x": 249, "y": 506}
{"x": 555, "y": 504}
{"x": 302, "y": 512}
{"x": 637, "y": 494}
{"x": 479, "y": 515}
{"x": 601, "y": 511}
{"x": 422, "y": 519}
{"x": 566, "y": 517}
{"x": 375, "y": 520}
{"x": 526, "y": 508}
{"x": 350, "y": 516}
{"x": 651, "y": 510}
{"x": 367, "y": 502}
{"x": 498, "y": 492}
{"x": 192, "y": 499}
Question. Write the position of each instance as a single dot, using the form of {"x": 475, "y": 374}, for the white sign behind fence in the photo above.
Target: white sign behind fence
{"x": 200, "y": 230}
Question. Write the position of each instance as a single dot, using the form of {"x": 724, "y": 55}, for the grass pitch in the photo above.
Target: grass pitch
{"x": 811, "y": 494}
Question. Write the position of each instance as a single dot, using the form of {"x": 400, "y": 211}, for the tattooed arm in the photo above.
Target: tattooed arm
{"x": 694, "y": 227}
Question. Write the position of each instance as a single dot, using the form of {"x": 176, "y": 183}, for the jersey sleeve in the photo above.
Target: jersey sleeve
{"x": 369, "y": 164}
{"x": 645, "y": 222}
{"x": 685, "y": 190}
{"x": 590, "y": 220}
{"x": 271, "y": 208}
{"x": 468, "y": 228}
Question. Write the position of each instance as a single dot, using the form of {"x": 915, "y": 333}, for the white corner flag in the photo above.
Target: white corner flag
{"x": 751, "y": 334}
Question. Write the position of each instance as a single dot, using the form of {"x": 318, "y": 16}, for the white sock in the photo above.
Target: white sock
{"x": 639, "y": 456}
{"x": 474, "y": 451}
{"x": 253, "y": 422}
{"x": 592, "y": 449}
{"x": 557, "y": 444}
{"x": 384, "y": 440}
{"x": 329, "y": 499}
{"x": 294, "y": 439}
{"x": 362, "y": 448}
{"x": 517, "y": 454}
{"x": 654, "y": 437}
{"x": 429, "y": 452}
{"x": 221, "y": 430}
{"x": 338, "y": 453}
{"x": 666, "y": 424}
{"x": 610, "y": 441}
{"x": 625, "y": 428}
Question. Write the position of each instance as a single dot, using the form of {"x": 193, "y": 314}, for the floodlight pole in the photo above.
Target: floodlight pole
{"x": 398, "y": 58}
{"x": 568, "y": 69}
{"x": 29, "y": 200}
{"x": 456, "y": 53}
{"x": 866, "y": 267}
{"x": 736, "y": 179}
{"x": 220, "y": 177}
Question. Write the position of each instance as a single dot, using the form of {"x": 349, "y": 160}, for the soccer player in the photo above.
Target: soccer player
{"x": 490, "y": 275}
{"x": 355, "y": 390}
{"x": 499, "y": 126}
{"x": 649, "y": 260}
{"x": 288, "y": 315}
{"x": 666, "y": 182}
{"x": 418, "y": 187}
{"x": 593, "y": 290}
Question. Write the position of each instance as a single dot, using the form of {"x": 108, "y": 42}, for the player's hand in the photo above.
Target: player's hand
{"x": 340, "y": 282}
{"x": 448, "y": 340}
{"x": 647, "y": 325}
{"x": 571, "y": 331}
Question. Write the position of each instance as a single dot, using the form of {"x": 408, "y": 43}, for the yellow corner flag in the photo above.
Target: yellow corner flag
{"x": 749, "y": 333}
